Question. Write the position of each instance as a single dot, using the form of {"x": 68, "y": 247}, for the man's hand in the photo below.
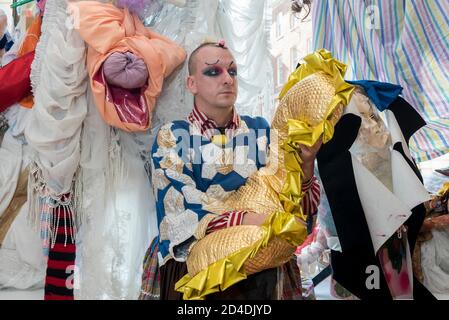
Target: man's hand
{"x": 308, "y": 155}
{"x": 253, "y": 218}
{"x": 440, "y": 222}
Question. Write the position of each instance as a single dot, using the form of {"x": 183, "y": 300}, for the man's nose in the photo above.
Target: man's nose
{"x": 228, "y": 78}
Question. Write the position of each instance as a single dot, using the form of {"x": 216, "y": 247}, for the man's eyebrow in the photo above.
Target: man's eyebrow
{"x": 231, "y": 64}
{"x": 211, "y": 64}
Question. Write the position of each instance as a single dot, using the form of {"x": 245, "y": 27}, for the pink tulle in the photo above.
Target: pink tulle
{"x": 134, "y": 6}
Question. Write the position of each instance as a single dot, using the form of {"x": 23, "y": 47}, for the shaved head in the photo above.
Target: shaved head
{"x": 192, "y": 63}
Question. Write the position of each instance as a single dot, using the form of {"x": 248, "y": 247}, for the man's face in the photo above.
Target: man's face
{"x": 214, "y": 78}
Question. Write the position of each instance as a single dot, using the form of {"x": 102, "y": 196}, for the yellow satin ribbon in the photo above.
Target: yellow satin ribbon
{"x": 230, "y": 270}
{"x": 444, "y": 190}
{"x": 320, "y": 60}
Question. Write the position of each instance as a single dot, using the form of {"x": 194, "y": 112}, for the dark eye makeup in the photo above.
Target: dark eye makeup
{"x": 215, "y": 71}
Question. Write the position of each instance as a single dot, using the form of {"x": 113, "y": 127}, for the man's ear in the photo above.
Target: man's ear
{"x": 191, "y": 84}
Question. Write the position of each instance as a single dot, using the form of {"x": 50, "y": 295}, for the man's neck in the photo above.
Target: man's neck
{"x": 221, "y": 116}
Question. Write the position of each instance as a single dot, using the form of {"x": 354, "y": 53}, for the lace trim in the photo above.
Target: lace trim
{"x": 44, "y": 213}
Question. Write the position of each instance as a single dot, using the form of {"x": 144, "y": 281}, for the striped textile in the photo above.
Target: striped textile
{"x": 311, "y": 199}
{"x": 61, "y": 262}
{"x": 225, "y": 220}
{"x": 403, "y": 42}
{"x": 208, "y": 126}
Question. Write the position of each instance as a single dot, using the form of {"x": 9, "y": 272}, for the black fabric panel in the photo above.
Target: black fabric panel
{"x": 336, "y": 171}
{"x": 3, "y": 42}
{"x": 59, "y": 273}
{"x": 337, "y": 174}
{"x": 399, "y": 148}
{"x": 61, "y": 256}
{"x": 171, "y": 272}
{"x": 346, "y": 131}
{"x": 62, "y": 291}
{"x": 420, "y": 292}
{"x": 408, "y": 118}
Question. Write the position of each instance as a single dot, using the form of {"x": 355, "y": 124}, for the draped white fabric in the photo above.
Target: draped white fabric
{"x": 114, "y": 193}
{"x": 59, "y": 81}
{"x": 22, "y": 264}
{"x": 11, "y": 160}
{"x": 245, "y": 26}
{"x": 435, "y": 262}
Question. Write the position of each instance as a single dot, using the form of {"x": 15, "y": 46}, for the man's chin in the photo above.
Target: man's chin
{"x": 224, "y": 103}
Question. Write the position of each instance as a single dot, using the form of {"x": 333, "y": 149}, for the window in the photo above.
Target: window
{"x": 294, "y": 58}
{"x": 280, "y": 71}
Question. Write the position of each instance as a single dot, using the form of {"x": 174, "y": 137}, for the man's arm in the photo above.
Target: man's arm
{"x": 310, "y": 186}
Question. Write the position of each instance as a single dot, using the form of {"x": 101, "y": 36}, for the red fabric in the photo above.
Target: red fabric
{"x": 311, "y": 200}
{"x": 61, "y": 261}
{"x": 58, "y": 282}
{"x": 226, "y": 220}
{"x": 60, "y": 264}
{"x": 57, "y": 297}
{"x": 59, "y": 247}
{"x": 15, "y": 81}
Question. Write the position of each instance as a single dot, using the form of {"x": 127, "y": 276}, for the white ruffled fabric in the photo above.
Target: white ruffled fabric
{"x": 245, "y": 25}
{"x": 59, "y": 82}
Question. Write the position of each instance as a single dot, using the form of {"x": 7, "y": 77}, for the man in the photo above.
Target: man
{"x": 207, "y": 156}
